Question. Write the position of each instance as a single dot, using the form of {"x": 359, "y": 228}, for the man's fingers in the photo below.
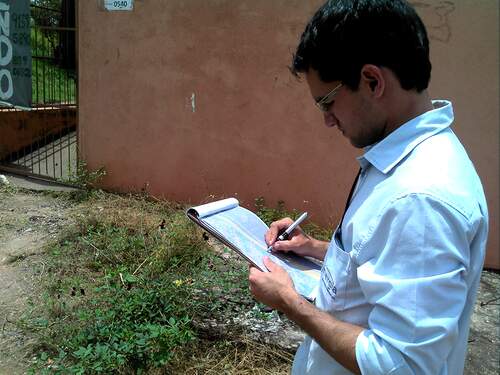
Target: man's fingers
{"x": 286, "y": 246}
{"x": 275, "y": 228}
{"x": 270, "y": 236}
{"x": 280, "y": 246}
{"x": 253, "y": 272}
{"x": 270, "y": 265}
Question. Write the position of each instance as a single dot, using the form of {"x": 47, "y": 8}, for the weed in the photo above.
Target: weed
{"x": 123, "y": 287}
{"x": 138, "y": 328}
{"x": 242, "y": 356}
{"x": 269, "y": 214}
{"x": 6, "y": 188}
{"x": 85, "y": 179}
{"x": 126, "y": 289}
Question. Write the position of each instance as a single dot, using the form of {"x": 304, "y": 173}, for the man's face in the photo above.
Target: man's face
{"x": 354, "y": 113}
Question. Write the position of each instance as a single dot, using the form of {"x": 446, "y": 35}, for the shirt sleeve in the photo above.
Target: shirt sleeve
{"x": 412, "y": 268}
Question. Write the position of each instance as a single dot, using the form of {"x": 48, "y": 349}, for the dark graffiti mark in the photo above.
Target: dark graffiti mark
{"x": 435, "y": 15}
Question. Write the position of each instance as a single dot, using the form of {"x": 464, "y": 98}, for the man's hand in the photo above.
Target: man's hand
{"x": 274, "y": 288}
{"x": 299, "y": 243}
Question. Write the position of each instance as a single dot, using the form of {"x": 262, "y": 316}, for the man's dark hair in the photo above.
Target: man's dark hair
{"x": 344, "y": 35}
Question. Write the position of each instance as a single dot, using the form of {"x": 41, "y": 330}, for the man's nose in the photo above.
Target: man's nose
{"x": 330, "y": 119}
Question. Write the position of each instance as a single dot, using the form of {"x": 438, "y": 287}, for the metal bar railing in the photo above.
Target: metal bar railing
{"x": 45, "y": 8}
{"x": 54, "y": 94}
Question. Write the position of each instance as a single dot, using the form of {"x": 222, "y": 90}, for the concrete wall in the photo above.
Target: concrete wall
{"x": 192, "y": 99}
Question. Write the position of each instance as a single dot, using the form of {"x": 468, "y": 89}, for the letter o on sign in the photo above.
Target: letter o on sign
{"x": 5, "y": 59}
{"x": 5, "y": 76}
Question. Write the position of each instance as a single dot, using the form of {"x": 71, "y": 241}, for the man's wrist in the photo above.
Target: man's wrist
{"x": 318, "y": 248}
{"x": 337, "y": 338}
{"x": 293, "y": 304}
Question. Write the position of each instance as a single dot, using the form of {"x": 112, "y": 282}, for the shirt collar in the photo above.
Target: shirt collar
{"x": 387, "y": 153}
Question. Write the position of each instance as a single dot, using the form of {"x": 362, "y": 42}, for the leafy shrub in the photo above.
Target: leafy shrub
{"x": 269, "y": 214}
{"x": 135, "y": 329}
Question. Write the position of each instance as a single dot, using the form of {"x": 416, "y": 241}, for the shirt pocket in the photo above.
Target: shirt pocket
{"x": 335, "y": 275}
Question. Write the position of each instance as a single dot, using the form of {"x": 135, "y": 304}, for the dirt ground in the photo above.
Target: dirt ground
{"x": 28, "y": 221}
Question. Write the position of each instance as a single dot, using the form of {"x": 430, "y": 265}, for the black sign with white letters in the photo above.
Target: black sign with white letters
{"x": 15, "y": 53}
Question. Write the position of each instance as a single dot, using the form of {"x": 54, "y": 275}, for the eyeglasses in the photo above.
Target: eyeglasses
{"x": 325, "y": 102}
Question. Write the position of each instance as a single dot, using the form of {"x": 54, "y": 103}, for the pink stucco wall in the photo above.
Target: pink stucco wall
{"x": 193, "y": 99}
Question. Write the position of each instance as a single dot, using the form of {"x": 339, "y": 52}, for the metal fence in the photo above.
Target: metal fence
{"x": 43, "y": 141}
{"x": 53, "y": 43}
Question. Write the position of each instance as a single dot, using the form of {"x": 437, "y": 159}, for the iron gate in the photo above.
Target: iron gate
{"x": 43, "y": 141}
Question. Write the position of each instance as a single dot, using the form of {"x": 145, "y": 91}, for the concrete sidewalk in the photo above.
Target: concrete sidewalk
{"x": 33, "y": 183}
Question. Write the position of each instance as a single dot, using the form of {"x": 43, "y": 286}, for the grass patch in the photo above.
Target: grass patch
{"x": 125, "y": 289}
{"x": 269, "y": 214}
{"x": 243, "y": 357}
{"x": 102, "y": 311}
{"x": 8, "y": 189}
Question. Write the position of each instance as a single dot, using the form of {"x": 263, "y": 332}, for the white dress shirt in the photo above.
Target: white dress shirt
{"x": 407, "y": 261}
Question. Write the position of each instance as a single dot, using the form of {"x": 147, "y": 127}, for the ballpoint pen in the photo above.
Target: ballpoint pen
{"x": 284, "y": 236}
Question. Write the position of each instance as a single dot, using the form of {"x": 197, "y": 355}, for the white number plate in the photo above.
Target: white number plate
{"x": 118, "y": 4}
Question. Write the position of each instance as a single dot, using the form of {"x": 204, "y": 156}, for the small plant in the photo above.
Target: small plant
{"x": 136, "y": 328}
{"x": 268, "y": 215}
{"x": 85, "y": 178}
{"x": 128, "y": 287}
{"x": 6, "y": 187}
{"x": 123, "y": 287}
{"x": 120, "y": 320}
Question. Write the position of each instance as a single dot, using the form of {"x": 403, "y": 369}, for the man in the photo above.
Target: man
{"x": 400, "y": 275}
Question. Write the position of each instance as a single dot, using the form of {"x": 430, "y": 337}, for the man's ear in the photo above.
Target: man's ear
{"x": 372, "y": 77}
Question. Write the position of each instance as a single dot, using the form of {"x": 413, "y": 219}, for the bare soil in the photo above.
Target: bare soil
{"x": 30, "y": 221}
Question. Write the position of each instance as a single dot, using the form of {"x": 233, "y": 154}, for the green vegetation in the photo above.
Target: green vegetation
{"x": 85, "y": 179}
{"x": 127, "y": 287}
{"x": 111, "y": 300}
{"x": 123, "y": 287}
{"x": 269, "y": 214}
{"x": 50, "y": 83}
{"x": 7, "y": 188}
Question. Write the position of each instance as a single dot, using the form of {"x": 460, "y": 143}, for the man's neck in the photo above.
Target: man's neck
{"x": 407, "y": 106}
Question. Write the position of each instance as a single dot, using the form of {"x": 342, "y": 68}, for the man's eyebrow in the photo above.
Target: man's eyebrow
{"x": 317, "y": 99}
